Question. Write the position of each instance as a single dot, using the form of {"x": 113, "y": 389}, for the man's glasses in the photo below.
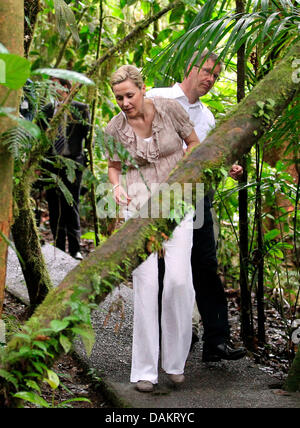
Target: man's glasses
{"x": 207, "y": 72}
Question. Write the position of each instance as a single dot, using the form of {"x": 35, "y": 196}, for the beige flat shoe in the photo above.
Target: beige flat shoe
{"x": 144, "y": 386}
{"x": 176, "y": 378}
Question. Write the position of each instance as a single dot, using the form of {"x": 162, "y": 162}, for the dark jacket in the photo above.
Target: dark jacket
{"x": 78, "y": 125}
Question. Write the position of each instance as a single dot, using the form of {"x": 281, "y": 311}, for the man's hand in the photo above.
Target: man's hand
{"x": 236, "y": 172}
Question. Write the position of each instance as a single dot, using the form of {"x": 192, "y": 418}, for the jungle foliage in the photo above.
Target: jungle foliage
{"x": 85, "y": 41}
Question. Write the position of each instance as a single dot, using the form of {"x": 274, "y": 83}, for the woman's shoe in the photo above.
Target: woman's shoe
{"x": 176, "y": 378}
{"x": 144, "y": 386}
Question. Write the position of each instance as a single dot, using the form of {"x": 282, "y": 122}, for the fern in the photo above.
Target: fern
{"x": 9, "y": 377}
{"x": 18, "y": 141}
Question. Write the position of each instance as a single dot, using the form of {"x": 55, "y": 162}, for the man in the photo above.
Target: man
{"x": 210, "y": 295}
{"x": 72, "y": 131}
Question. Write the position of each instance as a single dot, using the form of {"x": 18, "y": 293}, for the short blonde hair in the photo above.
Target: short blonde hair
{"x": 212, "y": 55}
{"x": 126, "y": 72}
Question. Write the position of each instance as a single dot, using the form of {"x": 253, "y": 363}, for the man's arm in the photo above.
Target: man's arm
{"x": 191, "y": 141}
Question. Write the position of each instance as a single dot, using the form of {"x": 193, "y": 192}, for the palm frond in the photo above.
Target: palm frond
{"x": 266, "y": 23}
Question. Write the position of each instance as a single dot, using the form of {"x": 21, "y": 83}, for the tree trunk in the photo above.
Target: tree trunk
{"x": 26, "y": 239}
{"x": 114, "y": 260}
{"x": 260, "y": 295}
{"x": 92, "y": 134}
{"x": 11, "y": 16}
{"x": 31, "y": 9}
{"x": 247, "y": 333}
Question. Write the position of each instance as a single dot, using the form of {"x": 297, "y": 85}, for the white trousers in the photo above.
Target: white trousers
{"x": 177, "y": 309}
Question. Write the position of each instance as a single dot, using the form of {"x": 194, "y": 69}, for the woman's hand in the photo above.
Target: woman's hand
{"x": 120, "y": 195}
{"x": 114, "y": 173}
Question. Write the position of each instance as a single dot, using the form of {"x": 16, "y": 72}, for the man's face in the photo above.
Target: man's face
{"x": 61, "y": 93}
{"x": 203, "y": 79}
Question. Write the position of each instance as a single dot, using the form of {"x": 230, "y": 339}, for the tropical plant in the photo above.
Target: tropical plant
{"x": 264, "y": 29}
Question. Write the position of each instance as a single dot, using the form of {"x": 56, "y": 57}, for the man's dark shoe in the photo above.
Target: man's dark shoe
{"x": 213, "y": 354}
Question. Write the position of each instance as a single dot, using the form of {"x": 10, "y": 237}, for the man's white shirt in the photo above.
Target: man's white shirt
{"x": 199, "y": 114}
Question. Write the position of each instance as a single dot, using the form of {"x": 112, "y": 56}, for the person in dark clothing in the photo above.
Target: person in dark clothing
{"x": 72, "y": 132}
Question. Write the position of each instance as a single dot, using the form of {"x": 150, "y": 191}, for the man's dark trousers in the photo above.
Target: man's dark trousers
{"x": 65, "y": 218}
{"x": 210, "y": 296}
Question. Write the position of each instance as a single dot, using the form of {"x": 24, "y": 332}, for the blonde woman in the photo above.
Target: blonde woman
{"x": 152, "y": 131}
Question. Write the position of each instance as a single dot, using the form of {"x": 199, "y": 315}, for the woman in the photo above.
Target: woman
{"x": 152, "y": 131}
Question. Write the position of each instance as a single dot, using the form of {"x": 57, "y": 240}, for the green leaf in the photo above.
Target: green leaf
{"x": 278, "y": 253}
{"x": 31, "y": 128}
{"x": 33, "y": 385}
{"x": 224, "y": 171}
{"x": 65, "y": 74}
{"x": 163, "y": 35}
{"x": 32, "y": 397}
{"x": 270, "y": 103}
{"x": 271, "y": 234}
{"x": 58, "y": 325}
{"x": 72, "y": 400}
{"x": 9, "y": 377}
{"x": 87, "y": 335}
{"x": 64, "y": 17}
{"x": 260, "y": 104}
{"x": 16, "y": 70}
{"x": 52, "y": 379}
{"x": 40, "y": 367}
{"x": 146, "y": 7}
{"x": 88, "y": 235}
{"x": 41, "y": 345}
{"x": 177, "y": 13}
{"x": 130, "y": 2}
{"x": 218, "y": 105}
{"x": 65, "y": 343}
{"x": 65, "y": 191}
